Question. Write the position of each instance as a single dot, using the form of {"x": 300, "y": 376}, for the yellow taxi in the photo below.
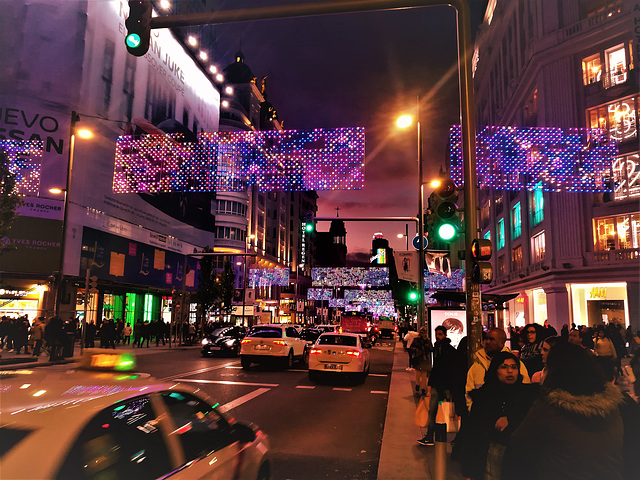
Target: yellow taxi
{"x": 102, "y": 421}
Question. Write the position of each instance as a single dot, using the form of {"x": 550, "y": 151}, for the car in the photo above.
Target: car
{"x": 310, "y": 335}
{"x": 273, "y": 342}
{"x": 339, "y": 354}
{"x": 102, "y": 420}
{"x": 327, "y": 328}
{"x": 223, "y": 340}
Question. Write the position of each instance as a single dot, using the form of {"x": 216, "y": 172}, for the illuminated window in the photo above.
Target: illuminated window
{"x": 616, "y": 63}
{"x": 619, "y": 118}
{"x": 500, "y": 237}
{"x": 538, "y": 247}
{"x": 591, "y": 69}
{"x": 626, "y": 175}
{"x": 618, "y": 232}
{"x": 487, "y": 235}
{"x": 500, "y": 265}
{"x": 536, "y": 206}
{"x": 516, "y": 221}
{"x": 516, "y": 258}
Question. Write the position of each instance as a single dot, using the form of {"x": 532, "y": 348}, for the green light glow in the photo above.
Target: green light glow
{"x": 133, "y": 40}
{"x": 446, "y": 231}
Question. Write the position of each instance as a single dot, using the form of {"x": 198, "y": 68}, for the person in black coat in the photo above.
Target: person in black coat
{"x": 498, "y": 408}
{"x": 54, "y": 337}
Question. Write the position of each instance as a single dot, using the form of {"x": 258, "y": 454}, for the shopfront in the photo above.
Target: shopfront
{"x": 598, "y": 303}
{"x": 18, "y": 302}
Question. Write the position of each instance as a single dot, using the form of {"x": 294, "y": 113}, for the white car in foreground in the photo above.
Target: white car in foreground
{"x": 339, "y": 353}
{"x": 103, "y": 421}
{"x": 273, "y": 342}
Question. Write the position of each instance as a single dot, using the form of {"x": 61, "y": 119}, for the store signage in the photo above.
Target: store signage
{"x": 598, "y": 292}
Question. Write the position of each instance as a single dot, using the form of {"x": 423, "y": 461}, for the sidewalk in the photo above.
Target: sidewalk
{"x": 401, "y": 458}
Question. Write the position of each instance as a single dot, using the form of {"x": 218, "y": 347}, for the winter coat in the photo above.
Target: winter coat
{"x": 481, "y": 362}
{"x": 421, "y": 354}
{"x": 568, "y": 437}
{"x": 491, "y": 402}
{"x": 604, "y": 348}
{"x": 441, "y": 376}
{"x": 37, "y": 331}
{"x": 531, "y": 356}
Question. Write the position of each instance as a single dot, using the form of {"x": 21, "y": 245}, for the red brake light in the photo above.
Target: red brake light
{"x": 354, "y": 353}
{"x": 314, "y": 351}
{"x": 279, "y": 342}
{"x": 245, "y": 340}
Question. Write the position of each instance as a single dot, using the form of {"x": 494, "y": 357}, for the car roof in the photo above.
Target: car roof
{"x": 337, "y": 334}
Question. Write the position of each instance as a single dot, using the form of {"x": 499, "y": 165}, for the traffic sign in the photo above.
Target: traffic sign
{"x": 416, "y": 242}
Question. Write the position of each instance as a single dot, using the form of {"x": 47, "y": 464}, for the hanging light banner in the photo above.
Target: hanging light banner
{"x": 291, "y": 160}
{"x": 24, "y": 159}
{"x": 553, "y": 159}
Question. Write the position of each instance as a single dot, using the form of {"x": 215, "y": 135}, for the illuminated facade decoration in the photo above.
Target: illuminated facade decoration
{"x": 350, "y": 277}
{"x": 516, "y": 158}
{"x": 437, "y": 281}
{"x": 319, "y": 294}
{"x": 626, "y": 175}
{"x": 269, "y": 277}
{"x": 24, "y": 158}
{"x": 291, "y": 160}
{"x": 368, "y": 295}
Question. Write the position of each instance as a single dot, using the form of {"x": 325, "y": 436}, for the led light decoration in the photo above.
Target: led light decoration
{"x": 24, "y": 160}
{"x": 365, "y": 296}
{"x": 350, "y": 277}
{"x": 291, "y": 160}
{"x": 269, "y": 277}
{"x": 516, "y": 158}
{"x": 319, "y": 294}
{"x": 437, "y": 281}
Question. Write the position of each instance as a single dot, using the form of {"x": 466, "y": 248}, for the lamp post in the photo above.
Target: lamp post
{"x": 404, "y": 122}
{"x": 405, "y": 235}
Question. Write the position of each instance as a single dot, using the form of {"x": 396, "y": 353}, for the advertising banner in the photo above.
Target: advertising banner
{"x": 455, "y": 321}
{"x": 407, "y": 265}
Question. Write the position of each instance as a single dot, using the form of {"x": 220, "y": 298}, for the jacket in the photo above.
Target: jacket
{"x": 568, "y": 437}
{"x": 604, "y": 348}
{"x": 475, "y": 375}
{"x": 441, "y": 376}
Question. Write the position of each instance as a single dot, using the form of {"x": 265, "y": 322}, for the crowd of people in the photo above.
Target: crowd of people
{"x": 552, "y": 406}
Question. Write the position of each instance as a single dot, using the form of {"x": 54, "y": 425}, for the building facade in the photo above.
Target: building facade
{"x": 571, "y": 257}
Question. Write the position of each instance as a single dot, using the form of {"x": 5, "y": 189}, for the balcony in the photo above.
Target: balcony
{"x": 613, "y": 256}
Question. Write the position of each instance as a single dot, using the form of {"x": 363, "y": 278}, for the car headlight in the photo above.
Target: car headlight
{"x": 205, "y": 341}
{"x": 229, "y": 343}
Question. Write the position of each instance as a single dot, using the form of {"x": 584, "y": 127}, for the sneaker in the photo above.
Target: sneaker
{"x": 426, "y": 441}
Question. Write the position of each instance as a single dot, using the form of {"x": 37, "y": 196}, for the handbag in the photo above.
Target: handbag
{"x": 447, "y": 415}
{"x": 421, "y": 417}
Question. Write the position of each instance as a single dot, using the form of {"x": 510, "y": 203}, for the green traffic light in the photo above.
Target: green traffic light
{"x": 446, "y": 232}
{"x": 133, "y": 40}
{"x": 309, "y": 227}
{"x": 413, "y": 296}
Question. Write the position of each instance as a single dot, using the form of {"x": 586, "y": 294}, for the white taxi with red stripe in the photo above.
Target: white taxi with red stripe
{"x": 339, "y": 353}
{"x": 101, "y": 420}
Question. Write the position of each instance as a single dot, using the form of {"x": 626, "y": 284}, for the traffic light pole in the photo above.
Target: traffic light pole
{"x": 421, "y": 312}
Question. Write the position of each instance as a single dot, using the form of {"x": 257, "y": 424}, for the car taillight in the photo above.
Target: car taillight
{"x": 353, "y": 353}
{"x": 279, "y": 342}
{"x": 246, "y": 340}
{"x": 314, "y": 351}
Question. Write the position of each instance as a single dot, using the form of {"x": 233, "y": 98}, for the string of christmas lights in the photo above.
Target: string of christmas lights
{"x": 291, "y": 160}
{"x": 547, "y": 158}
{"x": 350, "y": 277}
{"x": 24, "y": 160}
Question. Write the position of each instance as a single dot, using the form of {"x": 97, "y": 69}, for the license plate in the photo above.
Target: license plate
{"x": 332, "y": 366}
{"x": 263, "y": 347}
{"x": 214, "y": 348}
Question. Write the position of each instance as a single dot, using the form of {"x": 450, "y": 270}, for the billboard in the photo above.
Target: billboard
{"x": 455, "y": 321}
{"x": 109, "y": 89}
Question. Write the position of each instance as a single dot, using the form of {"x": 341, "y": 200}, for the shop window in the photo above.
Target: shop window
{"x": 591, "y": 69}
{"x": 536, "y": 205}
{"x": 617, "y": 233}
{"x": 485, "y": 214}
{"x": 616, "y": 64}
{"x": 516, "y": 258}
{"x": 626, "y": 175}
{"x": 538, "y": 247}
{"x": 500, "y": 236}
{"x": 499, "y": 204}
{"x": 501, "y": 266}
{"x": 619, "y": 119}
{"x": 516, "y": 221}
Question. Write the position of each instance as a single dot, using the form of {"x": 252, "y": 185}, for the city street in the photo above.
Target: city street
{"x": 328, "y": 430}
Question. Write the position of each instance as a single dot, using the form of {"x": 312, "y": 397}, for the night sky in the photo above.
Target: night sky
{"x": 362, "y": 69}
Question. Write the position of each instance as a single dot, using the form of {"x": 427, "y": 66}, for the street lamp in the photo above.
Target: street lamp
{"x": 82, "y": 133}
{"x": 405, "y": 121}
{"x": 405, "y": 234}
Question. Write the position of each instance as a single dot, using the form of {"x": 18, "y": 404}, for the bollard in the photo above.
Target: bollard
{"x": 441, "y": 451}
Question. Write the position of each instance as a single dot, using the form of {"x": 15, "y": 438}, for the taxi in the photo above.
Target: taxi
{"x": 102, "y": 421}
{"x": 339, "y": 354}
{"x": 273, "y": 342}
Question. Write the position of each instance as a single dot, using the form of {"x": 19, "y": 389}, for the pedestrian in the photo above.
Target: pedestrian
{"x": 574, "y": 428}
{"x": 440, "y": 379}
{"x": 107, "y": 334}
{"x": 126, "y": 334}
{"x": 499, "y": 406}
{"x": 574, "y": 337}
{"x": 146, "y": 334}
{"x": 549, "y": 342}
{"x": 494, "y": 343}
{"x": 531, "y": 352}
{"x": 420, "y": 350}
{"x": 37, "y": 335}
{"x": 54, "y": 337}
{"x": 137, "y": 333}
{"x": 603, "y": 346}
{"x": 90, "y": 335}
{"x": 21, "y": 335}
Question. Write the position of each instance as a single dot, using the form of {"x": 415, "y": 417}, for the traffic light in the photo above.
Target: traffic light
{"x": 308, "y": 223}
{"x": 445, "y": 224}
{"x": 138, "y": 25}
{"x": 413, "y": 296}
{"x": 481, "y": 270}
{"x": 93, "y": 284}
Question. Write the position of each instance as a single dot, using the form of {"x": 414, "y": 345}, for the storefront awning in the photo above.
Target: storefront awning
{"x": 461, "y": 297}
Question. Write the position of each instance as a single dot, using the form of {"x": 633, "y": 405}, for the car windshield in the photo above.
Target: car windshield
{"x": 219, "y": 331}
{"x": 344, "y": 340}
{"x": 266, "y": 332}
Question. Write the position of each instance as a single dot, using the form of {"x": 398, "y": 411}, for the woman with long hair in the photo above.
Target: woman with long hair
{"x": 531, "y": 351}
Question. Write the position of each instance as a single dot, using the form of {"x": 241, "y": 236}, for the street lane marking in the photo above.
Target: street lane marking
{"x": 195, "y": 372}
{"x": 342, "y": 389}
{"x": 245, "y": 398}
{"x": 378, "y": 375}
{"x": 228, "y": 382}
{"x": 306, "y": 386}
{"x": 383, "y": 392}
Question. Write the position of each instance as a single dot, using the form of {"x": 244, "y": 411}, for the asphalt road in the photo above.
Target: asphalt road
{"x": 332, "y": 429}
